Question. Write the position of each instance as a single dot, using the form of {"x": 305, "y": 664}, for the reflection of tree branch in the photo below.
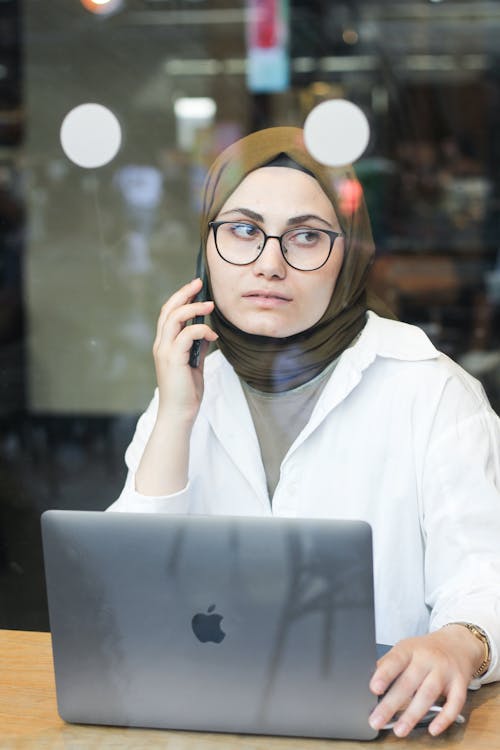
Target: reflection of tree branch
{"x": 327, "y": 655}
{"x": 315, "y": 581}
{"x": 183, "y": 546}
{"x": 175, "y": 551}
{"x": 294, "y": 554}
{"x": 298, "y": 603}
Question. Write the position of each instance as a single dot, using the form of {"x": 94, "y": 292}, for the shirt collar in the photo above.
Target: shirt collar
{"x": 391, "y": 339}
{"x": 395, "y": 340}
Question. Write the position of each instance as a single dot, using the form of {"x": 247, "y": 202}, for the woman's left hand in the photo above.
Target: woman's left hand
{"x": 416, "y": 672}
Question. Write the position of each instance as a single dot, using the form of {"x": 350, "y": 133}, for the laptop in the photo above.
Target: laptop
{"x": 212, "y": 623}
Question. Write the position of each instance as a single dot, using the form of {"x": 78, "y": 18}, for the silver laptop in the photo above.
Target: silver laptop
{"x": 212, "y": 623}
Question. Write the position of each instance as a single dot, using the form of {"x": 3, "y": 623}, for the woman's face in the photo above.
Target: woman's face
{"x": 268, "y": 297}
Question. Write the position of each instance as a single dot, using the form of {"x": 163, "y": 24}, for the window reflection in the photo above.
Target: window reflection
{"x": 89, "y": 255}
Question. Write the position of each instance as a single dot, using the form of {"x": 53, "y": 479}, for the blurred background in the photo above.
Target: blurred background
{"x": 89, "y": 253}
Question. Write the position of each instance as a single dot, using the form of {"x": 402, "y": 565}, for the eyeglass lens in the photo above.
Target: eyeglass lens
{"x": 304, "y": 248}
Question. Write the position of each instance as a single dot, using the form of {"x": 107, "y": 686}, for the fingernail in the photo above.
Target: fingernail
{"x": 435, "y": 729}
{"x": 401, "y": 729}
{"x": 377, "y": 687}
{"x": 376, "y": 721}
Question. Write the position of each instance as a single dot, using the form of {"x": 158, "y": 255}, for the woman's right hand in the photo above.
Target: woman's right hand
{"x": 180, "y": 386}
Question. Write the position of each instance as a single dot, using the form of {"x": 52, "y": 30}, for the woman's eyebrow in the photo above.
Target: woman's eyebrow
{"x": 246, "y": 212}
{"x": 307, "y": 217}
{"x": 293, "y": 221}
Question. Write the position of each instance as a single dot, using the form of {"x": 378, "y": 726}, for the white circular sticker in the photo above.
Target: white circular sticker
{"x": 336, "y": 132}
{"x": 90, "y": 135}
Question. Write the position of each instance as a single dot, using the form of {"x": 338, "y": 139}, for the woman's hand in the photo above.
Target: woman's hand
{"x": 181, "y": 386}
{"x": 163, "y": 469}
{"x": 414, "y": 674}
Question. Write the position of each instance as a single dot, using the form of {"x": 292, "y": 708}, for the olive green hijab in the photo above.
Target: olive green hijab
{"x": 279, "y": 364}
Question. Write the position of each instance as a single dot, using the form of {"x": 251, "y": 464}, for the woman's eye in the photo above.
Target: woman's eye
{"x": 305, "y": 237}
{"x": 244, "y": 231}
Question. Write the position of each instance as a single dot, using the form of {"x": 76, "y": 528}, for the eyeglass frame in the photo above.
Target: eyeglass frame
{"x": 214, "y": 226}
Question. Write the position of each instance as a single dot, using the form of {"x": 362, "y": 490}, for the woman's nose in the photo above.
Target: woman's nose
{"x": 270, "y": 262}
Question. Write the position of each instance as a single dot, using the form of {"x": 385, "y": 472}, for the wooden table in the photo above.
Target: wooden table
{"x": 29, "y": 718}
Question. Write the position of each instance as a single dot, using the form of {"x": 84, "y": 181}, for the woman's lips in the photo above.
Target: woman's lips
{"x": 266, "y": 299}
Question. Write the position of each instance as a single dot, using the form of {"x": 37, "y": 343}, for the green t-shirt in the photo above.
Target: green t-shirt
{"x": 278, "y": 419}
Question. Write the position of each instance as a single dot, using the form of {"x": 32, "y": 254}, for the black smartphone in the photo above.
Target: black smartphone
{"x": 201, "y": 272}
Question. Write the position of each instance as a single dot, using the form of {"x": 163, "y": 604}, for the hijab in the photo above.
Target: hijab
{"x": 278, "y": 364}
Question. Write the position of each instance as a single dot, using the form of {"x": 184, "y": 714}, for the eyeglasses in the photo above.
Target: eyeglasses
{"x": 303, "y": 248}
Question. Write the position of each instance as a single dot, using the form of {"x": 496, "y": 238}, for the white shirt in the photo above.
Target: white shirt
{"x": 401, "y": 437}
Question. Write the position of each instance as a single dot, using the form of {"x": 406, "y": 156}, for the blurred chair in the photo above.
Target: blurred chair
{"x": 426, "y": 281}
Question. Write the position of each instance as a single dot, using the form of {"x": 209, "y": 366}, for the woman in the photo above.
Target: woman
{"x": 315, "y": 405}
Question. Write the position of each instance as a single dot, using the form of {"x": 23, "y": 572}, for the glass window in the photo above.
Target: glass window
{"x": 100, "y": 204}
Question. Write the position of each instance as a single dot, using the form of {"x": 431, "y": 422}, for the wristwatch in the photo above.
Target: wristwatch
{"x": 480, "y": 635}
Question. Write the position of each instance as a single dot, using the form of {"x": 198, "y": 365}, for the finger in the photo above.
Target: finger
{"x": 170, "y": 325}
{"x": 455, "y": 701}
{"x": 182, "y": 296}
{"x": 178, "y": 316}
{"x": 182, "y": 314}
{"x": 388, "y": 668}
{"x": 426, "y": 695}
{"x": 184, "y": 341}
{"x": 398, "y": 697}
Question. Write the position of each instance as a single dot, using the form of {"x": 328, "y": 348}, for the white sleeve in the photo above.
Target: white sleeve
{"x": 461, "y": 514}
{"x": 131, "y": 501}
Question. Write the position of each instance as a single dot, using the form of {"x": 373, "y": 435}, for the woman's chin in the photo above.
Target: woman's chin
{"x": 267, "y": 329}
{"x": 269, "y": 323}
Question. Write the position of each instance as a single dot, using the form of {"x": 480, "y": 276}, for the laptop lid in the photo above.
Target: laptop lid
{"x": 212, "y": 623}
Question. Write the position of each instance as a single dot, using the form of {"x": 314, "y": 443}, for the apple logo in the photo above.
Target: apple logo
{"x": 206, "y": 627}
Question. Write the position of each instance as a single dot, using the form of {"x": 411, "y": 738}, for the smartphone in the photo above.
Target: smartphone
{"x": 201, "y": 272}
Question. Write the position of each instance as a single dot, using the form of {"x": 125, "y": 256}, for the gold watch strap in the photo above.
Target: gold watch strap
{"x": 480, "y": 635}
